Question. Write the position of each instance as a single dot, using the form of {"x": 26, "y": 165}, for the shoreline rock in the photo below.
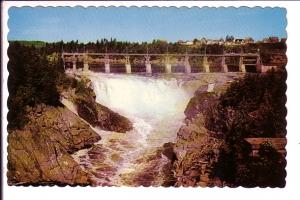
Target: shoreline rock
{"x": 39, "y": 154}
{"x": 197, "y": 148}
{"x": 101, "y": 116}
{"x": 94, "y": 113}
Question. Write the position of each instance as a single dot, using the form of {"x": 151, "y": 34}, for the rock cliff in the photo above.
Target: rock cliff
{"x": 40, "y": 152}
{"x": 196, "y": 148}
{"x": 94, "y": 113}
{"x": 101, "y": 116}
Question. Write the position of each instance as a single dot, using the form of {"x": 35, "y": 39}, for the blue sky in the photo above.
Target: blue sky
{"x": 143, "y": 24}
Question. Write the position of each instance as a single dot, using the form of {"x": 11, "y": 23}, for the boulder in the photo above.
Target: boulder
{"x": 92, "y": 112}
{"x": 86, "y": 109}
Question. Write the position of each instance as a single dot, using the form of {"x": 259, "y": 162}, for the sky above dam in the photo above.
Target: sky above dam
{"x": 144, "y": 24}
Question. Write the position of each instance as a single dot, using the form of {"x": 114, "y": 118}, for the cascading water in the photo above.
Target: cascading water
{"x": 154, "y": 105}
{"x": 146, "y": 101}
{"x": 140, "y": 96}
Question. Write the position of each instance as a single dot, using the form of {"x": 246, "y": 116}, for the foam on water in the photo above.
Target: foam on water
{"x": 147, "y": 101}
{"x": 154, "y": 105}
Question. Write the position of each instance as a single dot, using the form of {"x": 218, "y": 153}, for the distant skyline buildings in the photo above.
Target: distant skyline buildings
{"x": 144, "y": 24}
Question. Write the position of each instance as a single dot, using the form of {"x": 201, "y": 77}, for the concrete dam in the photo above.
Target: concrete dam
{"x": 162, "y": 63}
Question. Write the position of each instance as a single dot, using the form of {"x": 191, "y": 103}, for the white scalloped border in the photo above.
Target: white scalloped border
{"x": 174, "y": 193}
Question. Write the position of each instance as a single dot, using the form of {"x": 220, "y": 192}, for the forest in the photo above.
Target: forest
{"x": 32, "y": 80}
{"x": 155, "y": 46}
{"x": 253, "y": 107}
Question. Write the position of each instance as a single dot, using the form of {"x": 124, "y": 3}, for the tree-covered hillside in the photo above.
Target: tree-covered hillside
{"x": 253, "y": 107}
{"x": 32, "y": 80}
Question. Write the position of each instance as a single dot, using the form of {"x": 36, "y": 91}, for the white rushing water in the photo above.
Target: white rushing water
{"x": 154, "y": 105}
{"x": 140, "y": 96}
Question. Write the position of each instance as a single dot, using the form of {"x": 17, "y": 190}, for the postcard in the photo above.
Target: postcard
{"x": 146, "y": 96}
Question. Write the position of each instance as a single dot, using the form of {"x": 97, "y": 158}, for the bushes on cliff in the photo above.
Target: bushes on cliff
{"x": 251, "y": 107}
{"x": 265, "y": 170}
{"x": 32, "y": 80}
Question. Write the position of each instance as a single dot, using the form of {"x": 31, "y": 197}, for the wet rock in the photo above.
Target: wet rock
{"x": 87, "y": 111}
{"x": 97, "y": 154}
{"x": 100, "y": 116}
{"x": 168, "y": 151}
{"x": 104, "y": 171}
{"x": 146, "y": 177}
{"x": 168, "y": 175}
{"x": 200, "y": 103}
{"x": 112, "y": 121}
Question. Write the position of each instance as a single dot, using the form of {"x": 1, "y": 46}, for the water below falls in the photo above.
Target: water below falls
{"x": 156, "y": 107}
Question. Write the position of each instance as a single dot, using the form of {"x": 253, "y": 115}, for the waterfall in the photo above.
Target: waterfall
{"x": 153, "y": 104}
{"x": 139, "y": 96}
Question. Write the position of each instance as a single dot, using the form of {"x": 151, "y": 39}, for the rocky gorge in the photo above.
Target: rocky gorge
{"x": 196, "y": 149}
{"x": 74, "y": 127}
{"x": 62, "y": 145}
{"x": 212, "y": 146}
{"x": 85, "y": 142}
{"x": 40, "y": 152}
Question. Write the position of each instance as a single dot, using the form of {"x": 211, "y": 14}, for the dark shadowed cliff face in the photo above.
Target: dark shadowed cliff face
{"x": 94, "y": 113}
{"x": 40, "y": 152}
{"x": 101, "y": 116}
{"x": 196, "y": 148}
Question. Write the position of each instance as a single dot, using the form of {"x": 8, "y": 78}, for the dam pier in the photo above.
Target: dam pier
{"x": 163, "y": 63}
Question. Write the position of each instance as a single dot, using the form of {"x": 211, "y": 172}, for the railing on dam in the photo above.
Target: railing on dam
{"x": 163, "y": 63}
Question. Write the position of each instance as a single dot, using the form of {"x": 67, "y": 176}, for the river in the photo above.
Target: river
{"x": 155, "y": 105}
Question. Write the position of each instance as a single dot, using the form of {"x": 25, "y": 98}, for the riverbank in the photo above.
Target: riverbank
{"x": 144, "y": 155}
{"x": 40, "y": 153}
{"x": 215, "y": 148}
{"x": 128, "y": 140}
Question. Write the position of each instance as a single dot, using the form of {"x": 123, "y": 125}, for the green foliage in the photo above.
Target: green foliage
{"x": 158, "y": 46}
{"x": 65, "y": 82}
{"x": 32, "y": 80}
{"x": 34, "y": 43}
{"x": 265, "y": 170}
{"x": 251, "y": 107}
{"x": 80, "y": 87}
